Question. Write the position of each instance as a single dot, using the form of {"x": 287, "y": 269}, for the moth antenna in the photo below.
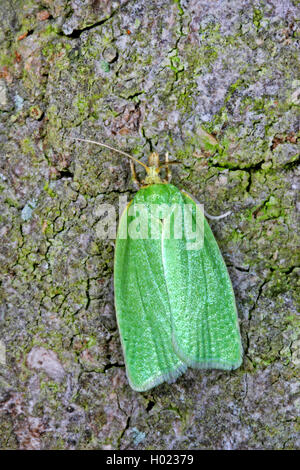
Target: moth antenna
{"x": 112, "y": 148}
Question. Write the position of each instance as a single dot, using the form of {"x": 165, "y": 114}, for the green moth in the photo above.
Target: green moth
{"x": 174, "y": 300}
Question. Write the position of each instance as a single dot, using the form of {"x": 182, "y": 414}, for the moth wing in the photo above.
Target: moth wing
{"x": 205, "y": 329}
{"x": 143, "y": 311}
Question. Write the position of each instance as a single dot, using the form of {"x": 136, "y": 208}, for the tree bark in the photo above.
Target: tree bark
{"x": 214, "y": 83}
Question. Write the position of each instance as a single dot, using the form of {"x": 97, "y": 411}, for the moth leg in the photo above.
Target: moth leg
{"x": 134, "y": 175}
{"x": 168, "y": 172}
{"x": 212, "y": 217}
{"x": 216, "y": 217}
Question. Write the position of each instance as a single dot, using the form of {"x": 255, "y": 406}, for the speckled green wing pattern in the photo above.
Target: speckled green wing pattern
{"x": 175, "y": 307}
{"x": 143, "y": 309}
{"x": 205, "y": 330}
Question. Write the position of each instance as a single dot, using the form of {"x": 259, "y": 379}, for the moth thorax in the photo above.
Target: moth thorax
{"x": 153, "y": 160}
{"x": 152, "y": 176}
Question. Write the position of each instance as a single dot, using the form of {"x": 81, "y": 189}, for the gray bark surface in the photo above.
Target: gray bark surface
{"x": 217, "y": 84}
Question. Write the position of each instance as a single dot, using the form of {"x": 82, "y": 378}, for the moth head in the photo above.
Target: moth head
{"x": 152, "y": 170}
{"x": 153, "y": 160}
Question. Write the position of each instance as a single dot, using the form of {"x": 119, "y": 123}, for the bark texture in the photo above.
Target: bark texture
{"x": 217, "y": 84}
